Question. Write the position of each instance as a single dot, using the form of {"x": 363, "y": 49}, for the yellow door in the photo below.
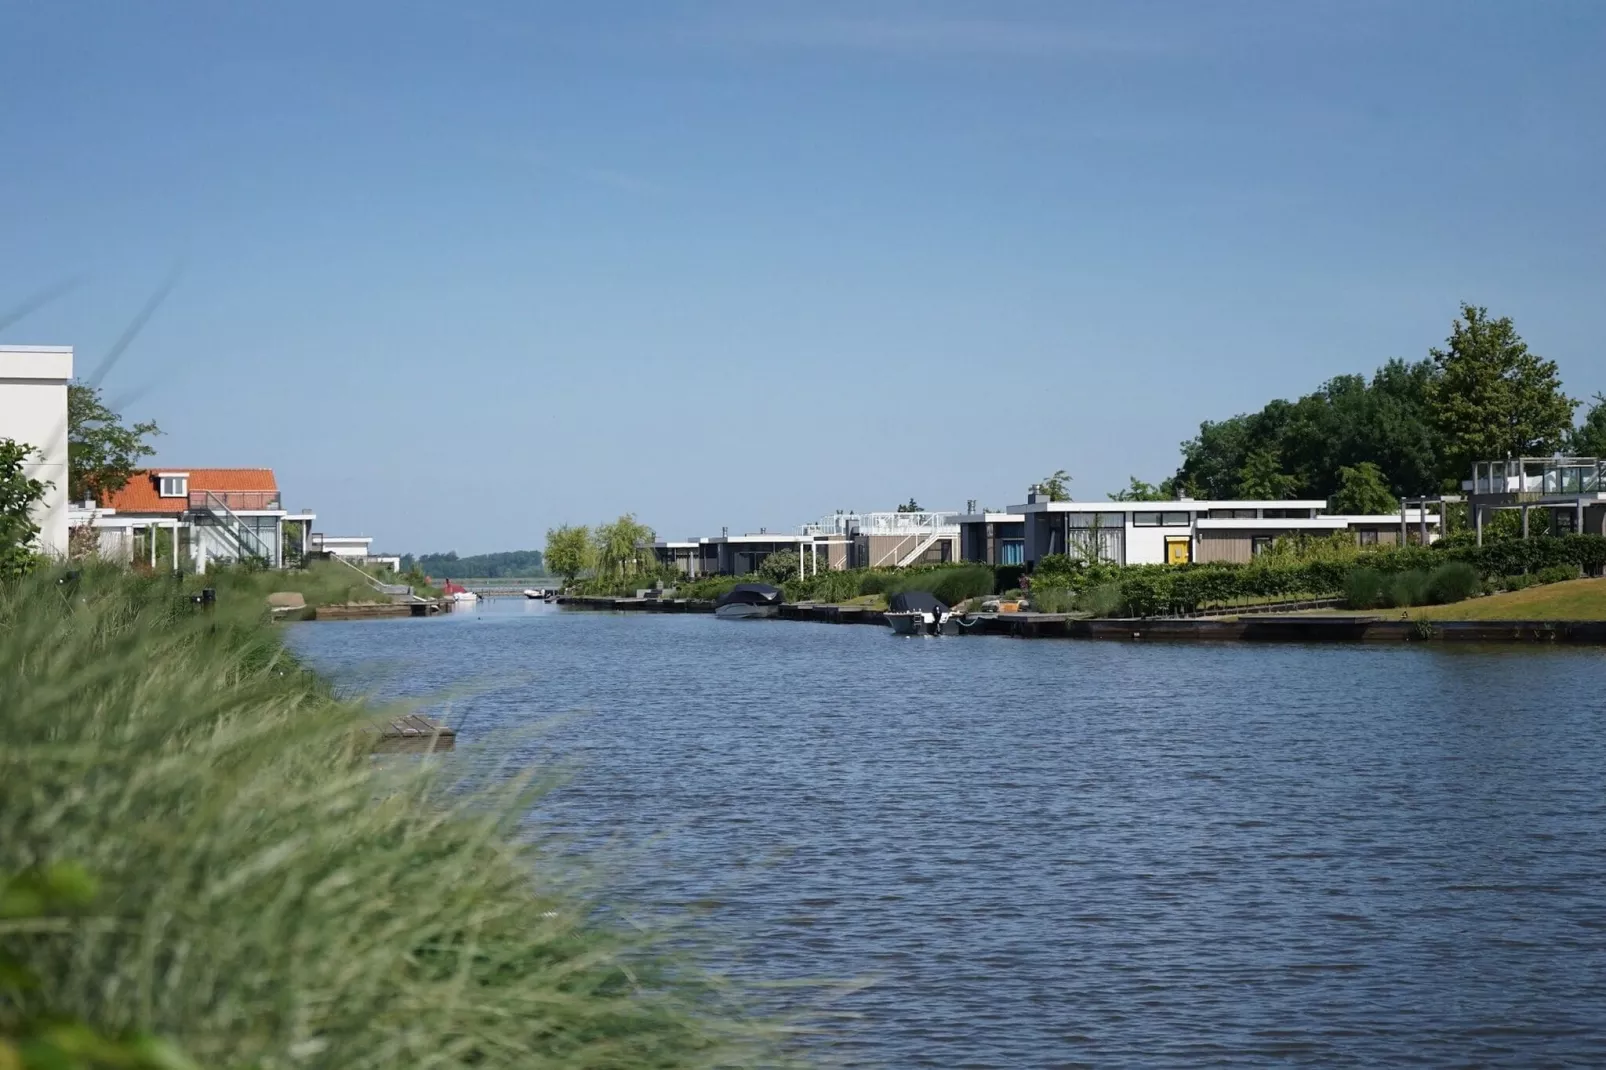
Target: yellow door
{"x": 1177, "y": 551}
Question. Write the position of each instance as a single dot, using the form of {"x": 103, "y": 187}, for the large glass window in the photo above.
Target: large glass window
{"x": 1231, "y": 514}
{"x": 1012, "y": 552}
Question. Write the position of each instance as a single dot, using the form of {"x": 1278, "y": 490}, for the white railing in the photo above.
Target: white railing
{"x": 896, "y": 524}
{"x": 1539, "y": 475}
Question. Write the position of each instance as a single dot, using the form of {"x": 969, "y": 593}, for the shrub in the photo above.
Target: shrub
{"x": 1557, "y": 574}
{"x": 1007, "y": 576}
{"x": 950, "y": 584}
{"x": 1517, "y": 582}
{"x": 1102, "y": 601}
{"x": 1406, "y": 589}
{"x": 779, "y": 567}
{"x": 1455, "y": 581}
{"x": 274, "y": 896}
{"x": 1364, "y": 588}
{"x": 1052, "y": 600}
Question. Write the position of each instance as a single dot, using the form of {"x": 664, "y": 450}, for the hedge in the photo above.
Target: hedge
{"x": 1149, "y": 590}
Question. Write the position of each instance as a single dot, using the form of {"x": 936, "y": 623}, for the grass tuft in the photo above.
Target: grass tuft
{"x": 270, "y": 895}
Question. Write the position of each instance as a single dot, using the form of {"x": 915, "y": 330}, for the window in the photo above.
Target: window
{"x": 1288, "y": 514}
{"x": 1095, "y": 520}
{"x": 1368, "y": 536}
{"x": 1231, "y": 514}
{"x": 1011, "y": 552}
{"x": 173, "y": 486}
{"x": 1145, "y": 520}
{"x": 1259, "y": 544}
{"x": 1156, "y": 520}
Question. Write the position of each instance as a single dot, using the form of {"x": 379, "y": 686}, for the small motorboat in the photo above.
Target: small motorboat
{"x": 460, "y": 595}
{"x": 916, "y": 613}
{"x": 747, "y": 601}
{"x": 531, "y": 592}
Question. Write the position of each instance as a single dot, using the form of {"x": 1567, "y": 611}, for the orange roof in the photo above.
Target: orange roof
{"x": 139, "y": 495}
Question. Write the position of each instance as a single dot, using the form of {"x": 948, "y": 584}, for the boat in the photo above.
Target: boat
{"x": 531, "y": 592}
{"x": 747, "y": 601}
{"x": 459, "y": 595}
{"x": 916, "y": 613}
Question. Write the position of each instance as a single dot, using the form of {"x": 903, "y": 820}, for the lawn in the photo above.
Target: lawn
{"x": 1571, "y": 600}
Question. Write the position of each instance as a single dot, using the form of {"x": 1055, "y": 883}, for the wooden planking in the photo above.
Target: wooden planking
{"x": 413, "y": 731}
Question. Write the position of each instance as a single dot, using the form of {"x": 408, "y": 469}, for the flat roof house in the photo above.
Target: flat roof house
{"x": 33, "y": 412}
{"x": 993, "y": 538}
{"x": 1568, "y": 492}
{"x": 1183, "y": 531}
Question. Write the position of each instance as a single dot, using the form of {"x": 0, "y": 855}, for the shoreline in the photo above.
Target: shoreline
{"x": 1356, "y": 628}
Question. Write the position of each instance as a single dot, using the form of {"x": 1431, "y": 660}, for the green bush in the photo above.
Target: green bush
{"x": 1364, "y": 588}
{"x": 273, "y": 897}
{"x": 1052, "y": 600}
{"x": 1557, "y": 574}
{"x": 1102, "y": 601}
{"x": 950, "y": 584}
{"x": 1007, "y": 576}
{"x": 1453, "y": 582}
{"x": 1517, "y": 582}
{"x": 1404, "y": 589}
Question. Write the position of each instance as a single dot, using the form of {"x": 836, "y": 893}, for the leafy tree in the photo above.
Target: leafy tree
{"x": 101, "y": 453}
{"x": 1494, "y": 398}
{"x": 911, "y": 506}
{"x": 569, "y": 551}
{"x": 1362, "y": 491}
{"x": 1588, "y": 439}
{"x": 1057, "y": 487}
{"x": 1262, "y": 477}
{"x": 783, "y": 564}
{"x": 18, "y": 495}
{"x": 623, "y": 547}
{"x": 1139, "y": 491}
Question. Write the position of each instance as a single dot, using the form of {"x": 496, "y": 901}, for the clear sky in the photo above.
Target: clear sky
{"x": 459, "y": 271}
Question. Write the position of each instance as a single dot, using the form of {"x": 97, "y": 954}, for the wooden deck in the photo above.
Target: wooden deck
{"x": 412, "y": 732}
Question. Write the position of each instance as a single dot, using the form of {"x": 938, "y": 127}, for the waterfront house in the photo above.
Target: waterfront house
{"x": 993, "y": 538}
{"x": 1188, "y": 530}
{"x": 214, "y": 514}
{"x": 886, "y": 539}
{"x": 33, "y": 412}
{"x": 352, "y": 549}
{"x": 1569, "y": 493}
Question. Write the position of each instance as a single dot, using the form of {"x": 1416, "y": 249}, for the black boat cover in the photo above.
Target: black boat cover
{"x": 749, "y": 594}
{"x": 915, "y": 602}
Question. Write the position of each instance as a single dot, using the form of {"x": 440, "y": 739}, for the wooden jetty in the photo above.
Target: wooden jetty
{"x": 413, "y": 732}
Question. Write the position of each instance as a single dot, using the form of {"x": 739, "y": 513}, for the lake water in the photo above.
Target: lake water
{"x": 1058, "y": 853}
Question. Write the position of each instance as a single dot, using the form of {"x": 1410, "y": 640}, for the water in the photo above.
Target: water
{"x": 1063, "y": 853}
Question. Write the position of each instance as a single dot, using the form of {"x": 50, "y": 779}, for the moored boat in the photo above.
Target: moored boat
{"x": 916, "y": 613}
{"x": 747, "y": 601}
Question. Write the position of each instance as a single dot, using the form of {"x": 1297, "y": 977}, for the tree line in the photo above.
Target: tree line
{"x": 448, "y": 566}
{"x": 1412, "y": 428}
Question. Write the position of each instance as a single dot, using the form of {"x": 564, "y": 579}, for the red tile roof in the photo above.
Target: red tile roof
{"x": 140, "y": 496}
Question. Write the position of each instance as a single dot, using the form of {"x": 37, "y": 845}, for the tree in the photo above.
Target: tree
{"x": 1262, "y": 478}
{"x": 1588, "y": 439}
{"x": 911, "y": 506}
{"x": 622, "y": 547}
{"x": 1363, "y": 492}
{"x": 1494, "y": 398}
{"x": 101, "y": 453}
{"x": 569, "y": 551}
{"x": 781, "y": 566}
{"x": 1057, "y": 487}
{"x": 1139, "y": 491}
{"x": 19, "y": 493}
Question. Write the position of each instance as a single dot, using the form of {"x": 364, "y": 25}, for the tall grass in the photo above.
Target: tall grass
{"x": 274, "y": 897}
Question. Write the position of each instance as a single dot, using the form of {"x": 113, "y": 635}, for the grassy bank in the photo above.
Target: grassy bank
{"x": 322, "y": 583}
{"x": 1571, "y": 600}
{"x": 269, "y": 896}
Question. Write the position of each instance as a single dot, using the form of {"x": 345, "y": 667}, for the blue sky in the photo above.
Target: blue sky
{"x": 462, "y": 271}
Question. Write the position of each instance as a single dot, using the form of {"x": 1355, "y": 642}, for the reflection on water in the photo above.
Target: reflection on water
{"x": 1063, "y": 853}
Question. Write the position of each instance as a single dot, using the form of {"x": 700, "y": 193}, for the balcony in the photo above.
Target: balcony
{"x": 1532, "y": 478}
{"x": 235, "y": 500}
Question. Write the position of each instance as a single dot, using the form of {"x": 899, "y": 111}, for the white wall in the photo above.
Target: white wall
{"x": 1146, "y": 545}
{"x": 33, "y": 410}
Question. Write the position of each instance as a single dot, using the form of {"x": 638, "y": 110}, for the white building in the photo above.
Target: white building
{"x": 1188, "y": 530}
{"x": 33, "y": 411}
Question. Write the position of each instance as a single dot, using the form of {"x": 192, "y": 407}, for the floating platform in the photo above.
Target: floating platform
{"x": 414, "y": 732}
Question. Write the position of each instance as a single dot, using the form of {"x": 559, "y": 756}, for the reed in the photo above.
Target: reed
{"x": 271, "y": 895}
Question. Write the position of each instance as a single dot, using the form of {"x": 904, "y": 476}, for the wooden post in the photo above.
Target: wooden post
{"x": 1402, "y": 522}
{"x": 1525, "y": 521}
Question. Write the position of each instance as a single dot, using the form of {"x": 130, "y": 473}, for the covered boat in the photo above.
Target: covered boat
{"x": 916, "y": 613}
{"x": 747, "y": 600}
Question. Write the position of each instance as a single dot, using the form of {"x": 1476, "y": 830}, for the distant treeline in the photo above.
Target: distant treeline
{"x": 449, "y": 566}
